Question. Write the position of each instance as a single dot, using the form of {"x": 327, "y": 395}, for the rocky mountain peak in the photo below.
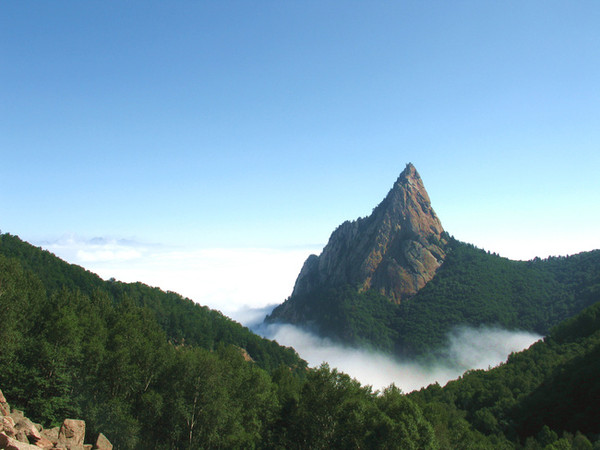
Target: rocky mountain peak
{"x": 396, "y": 250}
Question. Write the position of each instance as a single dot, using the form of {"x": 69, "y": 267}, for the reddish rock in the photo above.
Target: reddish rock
{"x": 29, "y": 428}
{"x": 42, "y": 442}
{"x": 72, "y": 434}
{"x": 395, "y": 251}
{"x": 4, "y": 408}
{"x": 9, "y": 443}
{"x": 7, "y": 425}
{"x": 21, "y": 436}
{"x": 17, "y": 432}
{"x": 102, "y": 443}
{"x": 17, "y": 415}
{"x": 51, "y": 434}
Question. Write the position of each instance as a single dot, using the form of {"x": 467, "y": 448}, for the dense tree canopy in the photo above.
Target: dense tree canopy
{"x": 547, "y": 391}
{"x": 153, "y": 370}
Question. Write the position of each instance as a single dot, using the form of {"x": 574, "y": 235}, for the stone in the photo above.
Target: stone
{"x": 72, "y": 434}
{"x": 7, "y": 426}
{"x": 21, "y": 436}
{"x": 51, "y": 434}
{"x": 41, "y": 442}
{"x": 396, "y": 250}
{"x": 17, "y": 432}
{"x": 29, "y": 428}
{"x": 17, "y": 415}
{"x": 102, "y": 443}
{"x": 4, "y": 408}
{"x": 9, "y": 443}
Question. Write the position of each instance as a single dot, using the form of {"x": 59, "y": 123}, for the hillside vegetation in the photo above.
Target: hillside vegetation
{"x": 152, "y": 370}
{"x": 472, "y": 287}
{"x": 546, "y": 397}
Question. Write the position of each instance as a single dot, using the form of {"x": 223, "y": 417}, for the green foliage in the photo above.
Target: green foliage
{"x": 359, "y": 319}
{"x": 335, "y": 411}
{"x": 154, "y": 371}
{"x": 183, "y": 321}
{"x": 472, "y": 287}
{"x": 547, "y": 391}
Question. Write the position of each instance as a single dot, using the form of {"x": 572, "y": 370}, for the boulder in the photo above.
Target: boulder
{"x": 9, "y": 443}
{"x": 42, "y": 442}
{"x": 7, "y": 425}
{"x": 29, "y": 428}
{"x": 51, "y": 434}
{"x": 4, "y": 408}
{"x": 21, "y": 436}
{"x": 102, "y": 443}
{"x": 17, "y": 415}
{"x": 72, "y": 434}
{"x": 17, "y": 432}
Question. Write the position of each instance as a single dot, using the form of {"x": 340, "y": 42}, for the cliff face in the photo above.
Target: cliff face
{"x": 396, "y": 250}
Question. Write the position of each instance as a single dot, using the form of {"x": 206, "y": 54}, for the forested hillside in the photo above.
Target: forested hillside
{"x": 124, "y": 358}
{"x": 181, "y": 319}
{"x": 545, "y": 397}
{"x": 152, "y": 370}
{"x": 472, "y": 287}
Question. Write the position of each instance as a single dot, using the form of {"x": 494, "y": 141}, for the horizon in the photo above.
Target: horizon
{"x": 208, "y": 149}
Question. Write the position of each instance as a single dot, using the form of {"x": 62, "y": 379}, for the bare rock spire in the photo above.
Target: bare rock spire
{"x": 396, "y": 250}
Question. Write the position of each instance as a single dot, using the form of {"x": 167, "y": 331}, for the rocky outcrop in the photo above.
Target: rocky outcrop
{"x": 396, "y": 250}
{"x": 17, "y": 432}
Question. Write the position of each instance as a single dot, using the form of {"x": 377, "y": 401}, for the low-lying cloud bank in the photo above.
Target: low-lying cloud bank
{"x": 467, "y": 348}
{"x": 233, "y": 281}
{"x": 240, "y": 282}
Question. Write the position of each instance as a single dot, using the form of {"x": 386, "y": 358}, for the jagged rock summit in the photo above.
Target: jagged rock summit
{"x": 396, "y": 250}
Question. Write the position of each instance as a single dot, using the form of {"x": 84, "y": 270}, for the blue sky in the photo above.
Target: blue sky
{"x": 264, "y": 125}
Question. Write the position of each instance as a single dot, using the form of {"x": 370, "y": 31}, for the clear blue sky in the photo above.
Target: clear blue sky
{"x": 267, "y": 124}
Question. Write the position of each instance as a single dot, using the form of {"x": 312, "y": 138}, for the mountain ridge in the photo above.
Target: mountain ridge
{"x": 396, "y": 250}
{"x": 396, "y": 281}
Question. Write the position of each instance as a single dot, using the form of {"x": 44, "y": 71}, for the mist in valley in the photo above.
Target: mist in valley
{"x": 466, "y": 348}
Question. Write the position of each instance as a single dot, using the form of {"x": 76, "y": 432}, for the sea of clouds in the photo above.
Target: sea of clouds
{"x": 246, "y": 283}
{"x": 466, "y": 348}
{"x": 240, "y": 282}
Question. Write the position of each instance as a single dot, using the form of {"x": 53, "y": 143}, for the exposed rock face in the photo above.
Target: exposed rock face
{"x": 396, "y": 250}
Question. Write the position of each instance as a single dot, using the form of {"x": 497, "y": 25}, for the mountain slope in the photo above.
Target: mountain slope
{"x": 537, "y": 395}
{"x": 75, "y": 346}
{"x": 181, "y": 319}
{"x": 395, "y": 281}
{"x": 105, "y": 358}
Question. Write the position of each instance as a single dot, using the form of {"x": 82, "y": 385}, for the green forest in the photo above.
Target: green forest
{"x": 151, "y": 369}
{"x": 472, "y": 287}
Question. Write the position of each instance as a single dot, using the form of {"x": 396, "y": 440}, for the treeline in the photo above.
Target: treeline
{"x": 152, "y": 370}
{"x": 472, "y": 287}
{"x": 181, "y": 319}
